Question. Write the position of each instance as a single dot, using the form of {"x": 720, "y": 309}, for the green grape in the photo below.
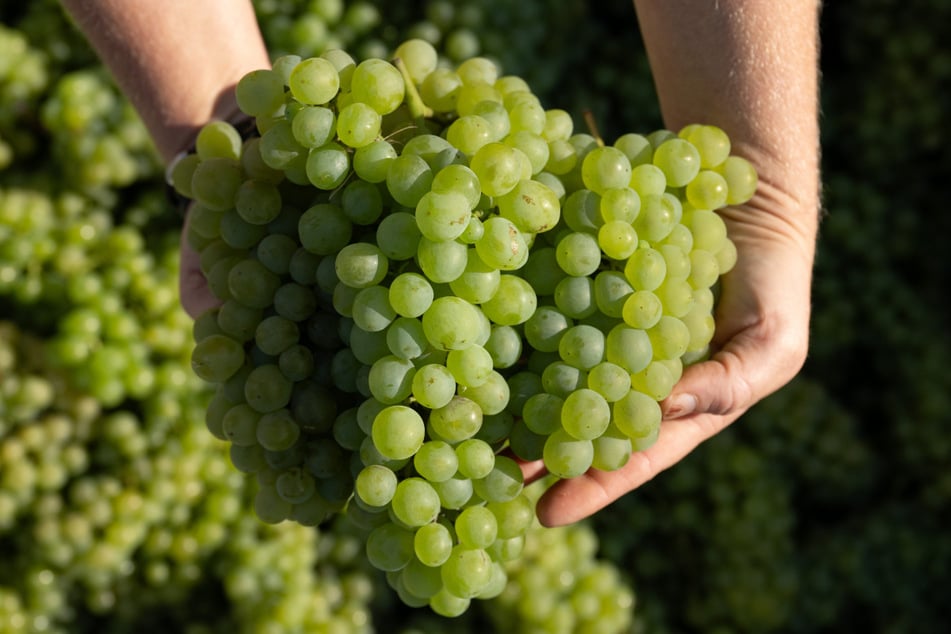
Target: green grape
{"x": 618, "y": 239}
{"x": 456, "y": 421}
{"x": 376, "y": 485}
{"x": 371, "y": 162}
{"x": 531, "y": 206}
{"x": 442, "y": 216}
{"x": 646, "y": 269}
{"x": 513, "y": 303}
{"x": 328, "y": 165}
{"x": 585, "y": 414}
{"x": 708, "y": 190}
{"x": 642, "y": 309}
{"x": 436, "y": 461}
{"x": 741, "y": 179}
{"x": 711, "y": 142}
{"x": 679, "y": 160}
{"x": 275, "y": 334}
{"x": 503, "y": 483}
{"x": 498, "y": 168}
{"x": 566, "y": 456}
{"x": 433, "y": 544}
{"x": 313, "y": 126}
{"x": 582, "y": 346}
{"x": 443, "y": 260}
{"x": 405, "y": 338}
{"x": 655, "y": 380}
{"x": 266, "y": 389}
{"x": 378, "y": 84}
{"x": 637, "y": 415}
{"x": 478, "y": 283}
{"x": 605, "y": 168}
{"x": 648, "y": 179}
{"x": 408, "y": 178}
{"x": 397, "y": 236}
{"x": 215, "y": 182}
{"x": 314, "y": 81}
{"x": 358, "y": 124}
{"x": 476, "y": 459}
{"x": 277, "y": 431}
{"x": 611, "y": 290}
{"x": 324, "y": 229}
{"x": 578, "y": 254}
{"x": 542, "y": 413}
{"x": 470, "y": 367}
{"x": 260, "y": 93}
{"x": 391, "y": 379}
{"x": 629, "y": 348}
{"x": 451, "y": 323}
{"x": 503, "y": 245}
{"x": 398, "y": 432}
{"x": 476, "y": 527}
{"x": 218, "y": 139}
{"x": 415, "y": 502}
{"x": 389, "y": 547}
{"x": 612, "y": 450}
{"x": 360, "y": 265}
{"x": 217, "y": 357}
{"x": 504, "y": 345}
{"x": 466, "y": 572}
{"x": 469, "y": 133}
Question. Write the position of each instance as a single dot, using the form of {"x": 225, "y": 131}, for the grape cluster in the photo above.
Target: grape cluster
{"x": 479, "y": 276}
{"x": 23, "y": 76}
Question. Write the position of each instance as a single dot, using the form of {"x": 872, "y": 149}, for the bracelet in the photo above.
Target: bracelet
{"x": 246, "y": 127}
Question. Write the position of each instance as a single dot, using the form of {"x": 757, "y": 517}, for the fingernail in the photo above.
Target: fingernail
{"x": 680, "y": 405}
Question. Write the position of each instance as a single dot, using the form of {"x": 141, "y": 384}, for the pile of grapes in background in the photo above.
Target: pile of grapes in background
{"x": 824, "y": 509}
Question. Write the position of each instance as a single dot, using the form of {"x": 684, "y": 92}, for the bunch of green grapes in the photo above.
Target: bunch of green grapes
{"x": 419, "y": 266}
{"x": 23, "y": 76}
{"x": 102, "y": 141}
{"x": 310, "y": 27}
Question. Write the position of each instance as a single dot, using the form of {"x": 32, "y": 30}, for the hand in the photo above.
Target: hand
{"x": 760, "y": 344}
{"x": 196, "y": 297}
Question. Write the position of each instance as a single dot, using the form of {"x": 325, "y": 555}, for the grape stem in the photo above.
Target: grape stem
{"x": 592, "y": 126}
{"x": 417, "y": 109}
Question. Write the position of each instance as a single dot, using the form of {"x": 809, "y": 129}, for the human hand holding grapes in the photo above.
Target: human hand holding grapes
{"x": 760, "y": 344}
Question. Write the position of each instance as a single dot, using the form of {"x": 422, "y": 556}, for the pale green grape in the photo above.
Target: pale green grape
{"x": 415, "y": 502}
{"x": 433, "y": 544}
{"x": 578, "y": 254}
{"x": 408, "y": 178}
{"x": 371, "y": 310}
{"x": 266, "y": 389}
{"x": 612, "y": 450}
{"x": 456, "y": 421}
{"x": 314, "y": 81}
{"x": 217, "y": 357}
{"x": 397, "y": 236}
{"x": 476, "y": 459}
{"x": 260, "y": 93}
{"x": 476, "y": 527}
{"x": 314, "y": 126}
{"x": 708, "y": 190}
{"x": 328, "y": 165}
{"x": 442, "y": 260}
{"x": 648, "y": 180}
{"x": 215, "y": 182}
{"x": 405, "y": 338}
{"x": 442, "y": 216}
{"x": 609, "y": 380}
{"x": 452, "y": 323}
{"x": 358, "y": 124}
{"x": 678, "y": 159}
{"x": 360, "y": 265}
{"x": 371, "y": 162}
{"x": 513, "y": 303}
{"x": 566, "y": 456}
{"x": 504, "y": 345}
{"x": 378, "y": 84}
{"x": 390, "y": 547}
{"x": 470, "y": 367}
{"x": 410, "y": 294}
{"x": 503, "y": 245}
{"x": 741, "y": 179}
{"x": 655, "y": 380}
{"x": 478, "y": 282}
{"x": 605, "y": 168}
{"x": 498, "y": 168}
{"x": 711, "y": 142}
{"x": 398, "y": 432}
{"x": 611, "y": 290}
{"x": 629, "y": 348}
{"x": 636, "y": 415}
{"x": 436, "y": 461}
{"x": 324, "y": 229}
{"x": 218, "y": 139}
{"x": 669, "y": 337}
{"x": 646, "y": 269}
{"x": 391, "y": 379}
{"x": 575, "y": 297}
{"x": 585, "y": 414}
{"x": 642, "y": 309}
{"x": 531, "y": 206}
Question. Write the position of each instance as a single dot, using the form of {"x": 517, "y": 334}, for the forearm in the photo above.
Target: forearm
{"x": 177, "y": 61}
{"x": 750, "y": 67}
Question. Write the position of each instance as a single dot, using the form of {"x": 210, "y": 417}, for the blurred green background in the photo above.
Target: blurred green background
{"x": 824, "y": 509}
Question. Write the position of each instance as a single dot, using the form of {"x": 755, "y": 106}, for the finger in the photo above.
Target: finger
{"x": 532, "y": 470}
{"x": 568, "y": 501}
{"x": 193, "y": 289}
